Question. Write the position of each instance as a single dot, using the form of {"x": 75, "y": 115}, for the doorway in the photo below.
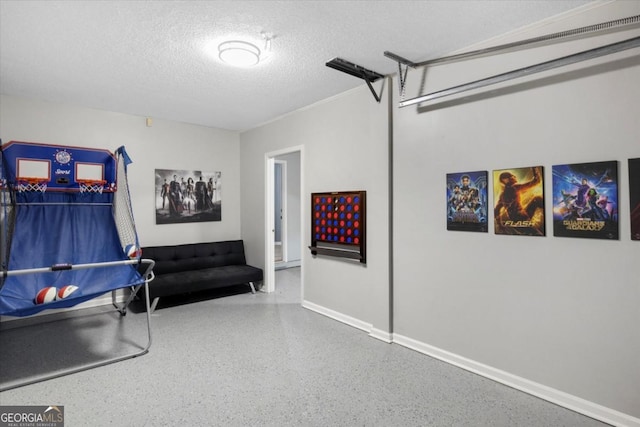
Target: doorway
{"x": 284, "y": 212}
{"x": 280, "y": 212}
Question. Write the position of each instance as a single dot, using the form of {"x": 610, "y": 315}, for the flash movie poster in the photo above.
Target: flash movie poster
{"x": 634, "y": 197}
{"x": 467, "y": 201}
{"x": 585, "y": 200}
{"x": 519, "y": 201}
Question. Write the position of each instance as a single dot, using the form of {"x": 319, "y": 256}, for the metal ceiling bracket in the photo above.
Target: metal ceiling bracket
{"x": 357, "y": 71}
{"x": 402, "y": 80}
{"x": 402, "y": 75}
{"x": 373, "y": 92}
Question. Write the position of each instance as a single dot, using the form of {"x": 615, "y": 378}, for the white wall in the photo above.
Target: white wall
{"x": 164, "y": 145}
{"x": 345, "y": 142}
{"x": 562, "y": 313}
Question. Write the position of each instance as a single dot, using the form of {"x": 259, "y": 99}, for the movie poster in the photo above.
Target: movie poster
{"x": 518, "y": 196}
{"x": 634, "y": 197}
{"x": 183, "y": 196}
{"x": 467, "y": 201}
{"x": 585, "y": 200}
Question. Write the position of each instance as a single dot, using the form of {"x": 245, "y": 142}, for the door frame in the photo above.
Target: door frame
{"x": 283, "y": 207}
{"x": 269, "y": 243}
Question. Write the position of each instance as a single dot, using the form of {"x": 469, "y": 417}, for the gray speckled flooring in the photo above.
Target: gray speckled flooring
{"x": 254, "y": 360}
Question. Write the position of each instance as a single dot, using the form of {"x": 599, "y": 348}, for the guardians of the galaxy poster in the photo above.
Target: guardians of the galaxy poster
{"x": 585, "y": 200}
{"x": 519, "y": 201}
{"x": 467, "y": 201}
{"x": 634, "y": 197}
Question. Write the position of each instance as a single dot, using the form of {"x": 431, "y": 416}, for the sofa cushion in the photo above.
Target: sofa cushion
{"x": 198, "y": 280}
{"x": 195, "y": 256}
{"x": 198, "y": 266}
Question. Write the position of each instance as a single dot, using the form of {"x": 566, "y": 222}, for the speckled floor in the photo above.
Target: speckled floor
{"x": 255, "y": 360}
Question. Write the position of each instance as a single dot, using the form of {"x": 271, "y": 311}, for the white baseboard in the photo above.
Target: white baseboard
{"x": 381, "y": 335}
{"x": 351, "y": 321}
{"x": 560, "y": 398}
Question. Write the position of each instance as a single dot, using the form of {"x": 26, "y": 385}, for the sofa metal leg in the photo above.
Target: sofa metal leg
{"x": 154, "y": 304}
{"x": 253, "y": 288}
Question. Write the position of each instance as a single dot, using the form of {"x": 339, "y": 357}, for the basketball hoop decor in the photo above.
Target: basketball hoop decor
{"x": 75, "y": 189}
{"x": 66, "y": 217}
{"x": 31, "y": 184}
{"x": 91, "y": 185}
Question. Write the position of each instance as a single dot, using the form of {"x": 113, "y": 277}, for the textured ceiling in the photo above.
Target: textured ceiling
{"x": 149, "y": 58}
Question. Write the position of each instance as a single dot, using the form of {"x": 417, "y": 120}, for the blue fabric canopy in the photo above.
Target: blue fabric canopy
{"x": 46, "y": 235}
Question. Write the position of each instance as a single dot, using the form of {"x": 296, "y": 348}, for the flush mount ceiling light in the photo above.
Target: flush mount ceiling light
{"x": 238, "y": 53}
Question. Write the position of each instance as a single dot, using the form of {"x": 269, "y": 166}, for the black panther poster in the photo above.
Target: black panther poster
{"x": 467, "y": 201}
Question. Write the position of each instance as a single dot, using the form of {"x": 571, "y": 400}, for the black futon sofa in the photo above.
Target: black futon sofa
{"x": 198, "y": 266}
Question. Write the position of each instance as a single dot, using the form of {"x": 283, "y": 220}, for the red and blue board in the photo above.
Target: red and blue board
{"x": 338, "y": 218}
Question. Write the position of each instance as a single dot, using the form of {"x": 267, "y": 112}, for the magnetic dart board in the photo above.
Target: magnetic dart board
{"x": 338, "y": 224}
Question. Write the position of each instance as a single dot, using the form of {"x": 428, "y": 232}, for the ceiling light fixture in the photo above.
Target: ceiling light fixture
{"x": 238, "y": 53}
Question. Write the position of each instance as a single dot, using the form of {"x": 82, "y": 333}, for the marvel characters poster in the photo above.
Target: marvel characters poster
{"x": 467, "y": 201}
{"x": 585, "y": 200}
{"x": 634, "y": 197}
{"x": 519, "y": 201}
{"x": 187, "y": 196}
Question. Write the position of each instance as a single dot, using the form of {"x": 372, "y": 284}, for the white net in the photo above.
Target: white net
{"x": 122, "y": 211}
{"x": 30, "y": 185}
{"x": 7, "y": 219}
{"x": 91, "y": 186}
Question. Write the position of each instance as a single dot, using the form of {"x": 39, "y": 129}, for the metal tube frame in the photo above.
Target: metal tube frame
{"x": 522, "y": 72}
{"x": 148, "y": 276}
{"x": 587, "y": 30}
{"x": 518, "y": 44}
